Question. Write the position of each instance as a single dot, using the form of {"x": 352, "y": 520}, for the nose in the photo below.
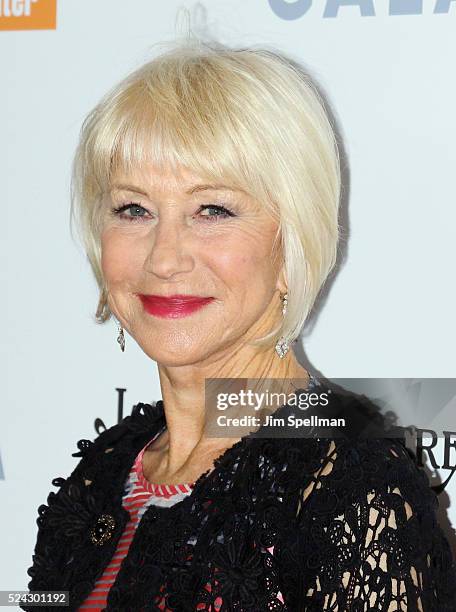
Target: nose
{"x": 169, "y": 251}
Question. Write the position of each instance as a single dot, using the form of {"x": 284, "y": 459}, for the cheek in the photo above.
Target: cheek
{"x": 119, "y": 259}
{"x": 243, "y": 262}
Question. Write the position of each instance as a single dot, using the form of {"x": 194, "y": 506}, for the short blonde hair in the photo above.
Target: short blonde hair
{"x": 250, "y": 116}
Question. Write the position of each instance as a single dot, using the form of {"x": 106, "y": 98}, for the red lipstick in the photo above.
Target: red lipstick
{"x": 172, "y": 306}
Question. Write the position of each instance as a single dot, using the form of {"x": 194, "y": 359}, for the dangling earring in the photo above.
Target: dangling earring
{"x": 282, "y": 345}
{"x": 121, "y": 337}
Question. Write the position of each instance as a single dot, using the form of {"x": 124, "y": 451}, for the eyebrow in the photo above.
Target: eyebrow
{"x": 190, "y": 191}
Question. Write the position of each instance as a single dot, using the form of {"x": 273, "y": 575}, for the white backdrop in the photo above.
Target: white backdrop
{"x": 388, "y": 69}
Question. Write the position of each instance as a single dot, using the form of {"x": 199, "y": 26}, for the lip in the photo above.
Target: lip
{"x": 172, "y": 306}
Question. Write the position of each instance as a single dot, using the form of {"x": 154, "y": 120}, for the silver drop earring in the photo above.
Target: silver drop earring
{"x": 282, "y": 345}
{"x": 121, "y": 337}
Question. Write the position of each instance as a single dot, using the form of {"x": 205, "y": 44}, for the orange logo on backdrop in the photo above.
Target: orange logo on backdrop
{"x": 28, "y": 14}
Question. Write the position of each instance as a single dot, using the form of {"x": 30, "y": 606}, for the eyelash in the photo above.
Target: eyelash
{"x": 120, "y": 209}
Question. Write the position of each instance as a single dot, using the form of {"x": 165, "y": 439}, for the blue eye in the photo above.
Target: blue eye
{"x": 136, "y": 211}
{"x": 225, "y": 212}
{"x": 133, "y": 208}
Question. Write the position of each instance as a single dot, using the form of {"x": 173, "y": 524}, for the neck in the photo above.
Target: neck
{"x": 183, "y": 392}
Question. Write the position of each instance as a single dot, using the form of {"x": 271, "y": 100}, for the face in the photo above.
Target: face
{"x": 168, "y": 234}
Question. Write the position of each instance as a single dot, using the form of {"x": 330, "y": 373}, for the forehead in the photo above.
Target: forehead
{"x": 154, "y": 179}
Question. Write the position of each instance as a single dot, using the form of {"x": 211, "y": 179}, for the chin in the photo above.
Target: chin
{"x": 178, "y": 359}
{"x": 170, "y": 353}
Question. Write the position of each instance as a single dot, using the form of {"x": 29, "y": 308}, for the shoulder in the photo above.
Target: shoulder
{"x": 368, "y": 453}
{"x": 143, "y": 420}
{"x": 109, "y": 452}
{"x": 366, "y": 463}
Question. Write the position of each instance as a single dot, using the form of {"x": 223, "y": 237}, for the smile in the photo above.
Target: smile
{"x": 173, "y": 306}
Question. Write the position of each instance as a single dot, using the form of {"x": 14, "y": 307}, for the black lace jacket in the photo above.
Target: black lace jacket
{"x": 351, "y": 521}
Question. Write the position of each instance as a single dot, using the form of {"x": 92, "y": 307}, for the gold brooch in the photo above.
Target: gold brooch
{"x": 103, "y": 529}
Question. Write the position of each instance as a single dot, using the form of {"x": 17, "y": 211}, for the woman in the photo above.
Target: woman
{"x": 207, "y": 187}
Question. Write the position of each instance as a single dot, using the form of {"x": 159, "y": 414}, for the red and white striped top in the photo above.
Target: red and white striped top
{"x": 138, "y": 495}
